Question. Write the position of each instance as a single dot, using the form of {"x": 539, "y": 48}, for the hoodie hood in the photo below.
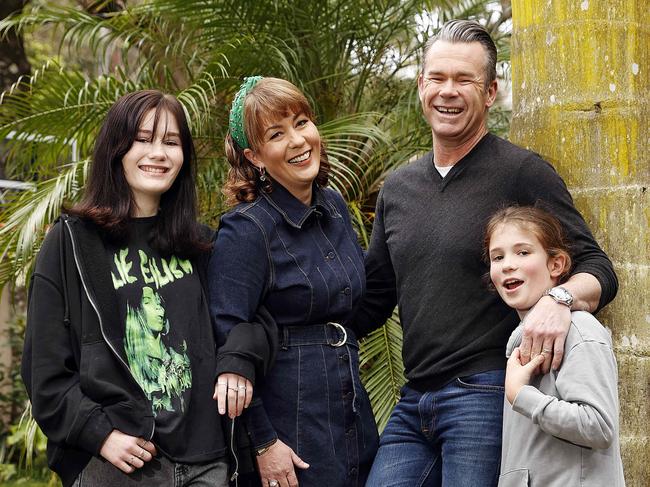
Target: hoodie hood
{"x": 514, "y": 340}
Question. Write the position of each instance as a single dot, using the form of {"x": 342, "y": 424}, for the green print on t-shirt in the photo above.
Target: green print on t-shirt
{"x": 160, "y": 274}
{"x": 162, "y": 372}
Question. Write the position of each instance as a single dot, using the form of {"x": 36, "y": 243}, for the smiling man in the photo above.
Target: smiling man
{"x": 426, "y": 256}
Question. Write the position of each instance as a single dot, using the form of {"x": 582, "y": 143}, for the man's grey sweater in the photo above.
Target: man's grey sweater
{"x": 426, "y": 254}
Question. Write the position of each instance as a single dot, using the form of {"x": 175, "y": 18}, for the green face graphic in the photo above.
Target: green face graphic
{"x": 153, "y": 310}
{"x": 163, "y": 372}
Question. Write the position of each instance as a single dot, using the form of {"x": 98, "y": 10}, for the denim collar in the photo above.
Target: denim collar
{"x": 294, "y": 211}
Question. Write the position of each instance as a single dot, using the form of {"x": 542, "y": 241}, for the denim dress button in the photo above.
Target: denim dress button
{"x": 330, "y": 255}
{"x": 347, "y": 291}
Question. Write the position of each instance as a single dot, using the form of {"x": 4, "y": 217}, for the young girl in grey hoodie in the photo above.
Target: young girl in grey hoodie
{"x": 561, "y": 428}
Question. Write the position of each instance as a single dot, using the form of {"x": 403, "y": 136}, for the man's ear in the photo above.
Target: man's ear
{"x": 420, "y": 86}
{"x": 491, "y": 94}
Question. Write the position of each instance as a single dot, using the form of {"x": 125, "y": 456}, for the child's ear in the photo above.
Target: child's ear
{"x": 557, "y": 264}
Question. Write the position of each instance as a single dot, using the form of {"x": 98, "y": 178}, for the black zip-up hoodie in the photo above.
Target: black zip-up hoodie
{"x": 76, "y": 376}
{"x": 74, "y": 366}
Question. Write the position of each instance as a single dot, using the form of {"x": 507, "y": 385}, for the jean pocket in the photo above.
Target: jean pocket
{"x": 491, "y": 381}
{"x": 514, "y": 478}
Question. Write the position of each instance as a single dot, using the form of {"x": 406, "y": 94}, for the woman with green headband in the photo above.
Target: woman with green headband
{"x": 288, "y": 245}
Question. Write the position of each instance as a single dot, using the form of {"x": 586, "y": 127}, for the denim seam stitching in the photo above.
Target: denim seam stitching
{"x": 259, "y": 225}
{"x": 311, "y": 286}
{"x": 338, "y": 258}
{"x": 479, "y": 387}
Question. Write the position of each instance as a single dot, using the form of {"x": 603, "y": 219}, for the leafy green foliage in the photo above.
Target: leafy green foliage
{"x": 355, "y": 61}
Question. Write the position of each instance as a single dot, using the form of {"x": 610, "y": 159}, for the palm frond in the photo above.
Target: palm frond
{"x": 26, "y": 218}
{"x": 349, "y": 140}
{"x": 382, "y": 370}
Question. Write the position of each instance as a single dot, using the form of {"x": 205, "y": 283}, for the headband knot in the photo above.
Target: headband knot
{"x": 236, "y": 119}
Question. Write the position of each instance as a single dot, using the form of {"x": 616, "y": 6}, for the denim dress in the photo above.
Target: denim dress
{"x": 303, "y": 263}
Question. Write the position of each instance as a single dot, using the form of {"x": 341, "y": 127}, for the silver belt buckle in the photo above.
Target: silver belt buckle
{"x": 341, "y": 328}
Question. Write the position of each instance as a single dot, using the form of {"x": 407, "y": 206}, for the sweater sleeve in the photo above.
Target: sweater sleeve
{"x": 541, "y": 185}
{"x": 50, "y": 362}
{"x": 587, "y": 408}
{"x": 381, "y": 287}
{"x": 238, "y": 275}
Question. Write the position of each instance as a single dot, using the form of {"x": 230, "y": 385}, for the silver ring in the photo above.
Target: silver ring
{"x": 546, "y": 350}
{"x": 232, "y": 388}
{"x": 273, "y": 483}
{"x": 141, "y": 455}
{"x": 241, "y": 388}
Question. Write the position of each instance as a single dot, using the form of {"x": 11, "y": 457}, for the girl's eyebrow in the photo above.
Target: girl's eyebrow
{"x": 167, "y": 134}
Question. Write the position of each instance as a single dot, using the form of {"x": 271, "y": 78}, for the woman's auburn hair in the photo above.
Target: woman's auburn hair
{"x": 269, "y": 100}
{"x": 108, "y": 201}
{"x": 546, "y": 227}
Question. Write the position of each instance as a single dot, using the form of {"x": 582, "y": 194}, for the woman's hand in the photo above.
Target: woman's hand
{"x": 127, "y": 452}
{"x": 518, "y": 375}
{"x": 235, "y": 391}
{"x": 276, "y": 466}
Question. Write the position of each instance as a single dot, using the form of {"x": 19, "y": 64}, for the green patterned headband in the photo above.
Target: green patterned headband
{"x": 236, "y": 119}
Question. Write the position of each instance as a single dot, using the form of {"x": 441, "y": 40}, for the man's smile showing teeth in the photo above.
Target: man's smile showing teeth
{"x": 511, "y": 284}
{"x": 154, "y": 169}
{"x": 449, "y": 110}
{"x": 300, "y": 158}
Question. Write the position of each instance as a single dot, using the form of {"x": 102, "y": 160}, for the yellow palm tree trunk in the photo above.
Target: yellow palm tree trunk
{"x": 581, "y": 98}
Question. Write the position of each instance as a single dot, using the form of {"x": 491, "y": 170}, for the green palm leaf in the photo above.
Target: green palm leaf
{"x": 382, "y": 371}
{"x": 26, "y": 218}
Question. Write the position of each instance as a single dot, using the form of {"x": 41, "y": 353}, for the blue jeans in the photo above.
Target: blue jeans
{"x": 450, "y": 437}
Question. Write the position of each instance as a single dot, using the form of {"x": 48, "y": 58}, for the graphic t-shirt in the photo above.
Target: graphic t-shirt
{"x": 167, "y": 335}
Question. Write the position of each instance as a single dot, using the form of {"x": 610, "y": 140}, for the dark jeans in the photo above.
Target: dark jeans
{"x": 450, "y": 437}
{"x": 159, "y": 472}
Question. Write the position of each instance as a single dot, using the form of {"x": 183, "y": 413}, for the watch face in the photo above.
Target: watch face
{"x": 561, "y": 294}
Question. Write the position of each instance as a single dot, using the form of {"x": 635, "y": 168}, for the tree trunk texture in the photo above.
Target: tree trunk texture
{"x": 581, "y": 98}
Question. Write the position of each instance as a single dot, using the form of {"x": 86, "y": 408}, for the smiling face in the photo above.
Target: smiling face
{"x": 520, "y": 268}
{"x": 453, "y": 93}
{"x": 290, "y": 153}
{"x": 153, "y": 161}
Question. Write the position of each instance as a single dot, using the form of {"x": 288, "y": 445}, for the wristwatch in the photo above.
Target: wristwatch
{"x": 560, "y": 295}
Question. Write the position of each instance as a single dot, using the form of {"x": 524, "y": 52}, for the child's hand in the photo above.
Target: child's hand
{"x": 518, "y": 375}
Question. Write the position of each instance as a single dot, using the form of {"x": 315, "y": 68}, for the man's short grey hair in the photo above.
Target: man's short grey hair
{"x": 467, "y": 31}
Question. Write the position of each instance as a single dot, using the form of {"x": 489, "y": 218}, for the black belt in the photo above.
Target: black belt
{"x": 333, "y": 334}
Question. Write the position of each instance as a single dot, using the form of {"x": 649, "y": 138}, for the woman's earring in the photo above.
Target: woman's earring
{"x": 262, "y": 174}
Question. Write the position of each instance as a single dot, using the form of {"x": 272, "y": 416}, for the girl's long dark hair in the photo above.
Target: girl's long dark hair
{"x": 108, "y": 201}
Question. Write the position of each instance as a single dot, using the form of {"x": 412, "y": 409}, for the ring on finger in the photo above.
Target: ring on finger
{"x": 232, "y": 388}
{"x": 241, "y": 388}
{"x": 546, "y": 350}
{"x": 142, "y": 453}
{"x": 273, "y": 483}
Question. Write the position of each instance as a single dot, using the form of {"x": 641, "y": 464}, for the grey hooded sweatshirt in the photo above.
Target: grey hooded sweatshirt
{"x": 562, "y": 429}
